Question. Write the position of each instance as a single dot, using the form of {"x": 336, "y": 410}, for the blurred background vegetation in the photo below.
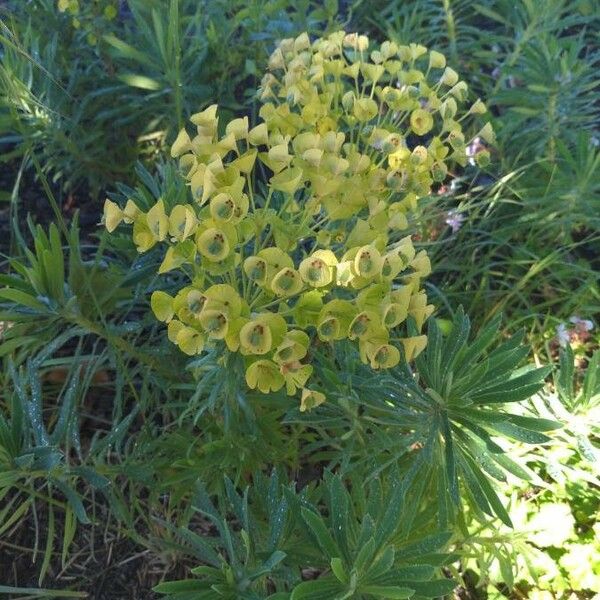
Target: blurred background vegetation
{"x": 92, "y": 92}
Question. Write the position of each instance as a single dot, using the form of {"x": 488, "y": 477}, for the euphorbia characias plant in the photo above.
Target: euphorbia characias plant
{"x": 297, "y": 227}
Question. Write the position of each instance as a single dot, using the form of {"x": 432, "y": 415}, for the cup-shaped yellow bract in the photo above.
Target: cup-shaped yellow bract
{"x": 368, "y": 262}
{"x": 393, "y": 314}
{"x": 262, "y": 333}
{"x": 363, "y": 324}
{"x": 182, "y": 222}
{"x": 162, "y": 306}
{"x": 421, "y": 121}
{"x": 255, "y": 268}
{"x": 213, "y": 244}
{"x": 190, "y": 340}
{"x": 296, "y": 375}
{"x": 335, "y": 318}
{"x": 143, "y": 238}
{"x": 296, "y": 226}
{"x": 310, "y": 399}
{"x": 157, "y": 221}
{"x": 385, "y": 357}
{"x": 222, "y": 207}
{"x": 113, "y": 215}
{"x": 317, "y": 270}
{"x": 293, "y": 347}
{"x": 256, "y": 337}
{"x": 264, "y": 375}
{"x": 214, "y": 322}
{"x": 413, "y": 346}
{"x": 287, "y": 282}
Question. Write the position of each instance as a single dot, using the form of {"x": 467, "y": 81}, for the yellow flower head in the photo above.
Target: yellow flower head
{"x": 296, "y": 226}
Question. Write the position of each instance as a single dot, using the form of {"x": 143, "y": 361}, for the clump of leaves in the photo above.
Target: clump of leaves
{"x": 347, "y": 536}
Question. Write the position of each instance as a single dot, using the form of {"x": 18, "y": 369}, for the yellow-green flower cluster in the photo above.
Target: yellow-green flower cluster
{"x": 296, "y": 226}
{"x": 91, "y": 17}
{"x": 401, "y": 108}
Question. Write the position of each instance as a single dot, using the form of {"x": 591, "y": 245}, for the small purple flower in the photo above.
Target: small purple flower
{"x": 454, "y": 220}
{"x": 563, "y": 335}
{"x": 583, "y": 324}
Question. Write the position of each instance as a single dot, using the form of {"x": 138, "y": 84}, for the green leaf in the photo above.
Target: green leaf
{"x": 140, "y": 81}
{"x": 337, "y": 568}
{"x": 520, "y": 433}
{"x": 484, "y": 485}
{"x": 513, "y": 390}
{"x": 431, "y": 543}
{"x": 128, "y": 51}
{"x": 41, "y": 593}
{"x": 183, "y": 585}
{"x": 324, "y": 588}
{"x": 565, "y": 380}
{"x": 433, "y": 589}
{"x": 321, "y": 533}
{"x": 24, "y": 299}
{"x": 399, "y": 576}
{"x": 387, "y": 591}
{"x": 73, "y": 499}
{"x": 472, "y": 352}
